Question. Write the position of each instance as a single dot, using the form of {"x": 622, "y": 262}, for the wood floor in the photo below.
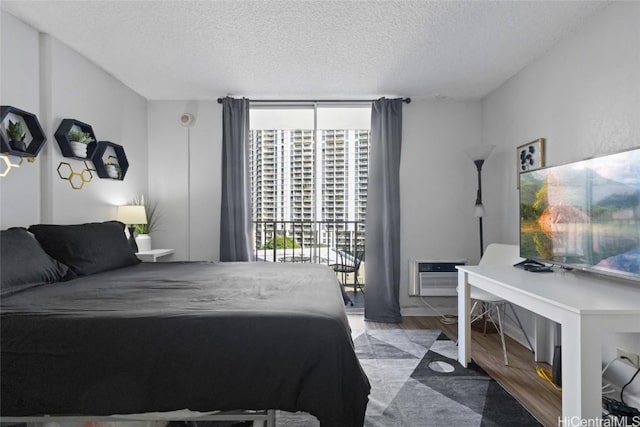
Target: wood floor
{"x": 520, "y": 379}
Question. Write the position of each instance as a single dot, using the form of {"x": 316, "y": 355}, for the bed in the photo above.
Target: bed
{"x": 149, "y": 337}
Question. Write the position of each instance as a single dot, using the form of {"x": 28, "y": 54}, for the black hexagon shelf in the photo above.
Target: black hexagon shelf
{"x": 33, "y": 126}
{"x": 62, "y": 136}
{"x": 100, "y": 162}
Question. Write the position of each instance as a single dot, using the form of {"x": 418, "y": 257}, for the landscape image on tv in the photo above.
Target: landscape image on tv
{"x": 584, "y": 215}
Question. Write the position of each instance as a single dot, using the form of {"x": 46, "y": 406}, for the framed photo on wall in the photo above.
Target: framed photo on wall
{"x": 529, "y": 156}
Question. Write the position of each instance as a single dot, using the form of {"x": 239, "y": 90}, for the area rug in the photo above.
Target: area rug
{"x": 416, "y": 381}
{"x": 357, "y": 298}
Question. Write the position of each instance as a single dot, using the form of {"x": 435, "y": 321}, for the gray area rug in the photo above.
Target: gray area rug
{"x": 358, "y": 302}
{"x": 416, "y": 381}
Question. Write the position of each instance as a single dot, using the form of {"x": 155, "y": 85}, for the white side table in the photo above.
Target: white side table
{"x": 154, "y": 254}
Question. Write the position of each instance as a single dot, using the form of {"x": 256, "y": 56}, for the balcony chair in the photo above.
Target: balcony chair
{"x": 497, "y": 254}
{"x": 350, "y": 265}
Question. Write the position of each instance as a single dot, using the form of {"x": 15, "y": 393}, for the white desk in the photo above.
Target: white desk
{"x": 586, "y": 305}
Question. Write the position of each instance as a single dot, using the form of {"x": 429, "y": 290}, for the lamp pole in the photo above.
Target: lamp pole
{"x": 478, "y": 155}
{"x": 479, "y": 206}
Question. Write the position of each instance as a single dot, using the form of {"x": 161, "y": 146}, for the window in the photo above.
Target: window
{"x": 308, "y": 167}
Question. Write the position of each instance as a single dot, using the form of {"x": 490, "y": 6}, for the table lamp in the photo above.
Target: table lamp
{"x": 132, "y": 215}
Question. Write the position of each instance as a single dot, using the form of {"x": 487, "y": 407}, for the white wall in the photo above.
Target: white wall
{"x": 437, "y": 190}
{"x": 185, "y": 176}
{"x": 434, "y": 134}
{"x": 584, "y": 98}
{"x": 79, "y": 89}
{"x": 55, "y": 82}
{"x": 19, "y": 77}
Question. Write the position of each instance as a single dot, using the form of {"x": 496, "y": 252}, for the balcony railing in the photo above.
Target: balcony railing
{"x": 319, "y": 242}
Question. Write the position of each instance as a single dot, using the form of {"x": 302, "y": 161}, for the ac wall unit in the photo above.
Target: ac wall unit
{"x": 437, "y": 277}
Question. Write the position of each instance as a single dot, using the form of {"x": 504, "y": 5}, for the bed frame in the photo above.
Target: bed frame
{"x": 259, "y": 418}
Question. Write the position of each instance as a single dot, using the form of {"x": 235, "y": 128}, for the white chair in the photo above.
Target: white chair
{"x": 497, "y": 254}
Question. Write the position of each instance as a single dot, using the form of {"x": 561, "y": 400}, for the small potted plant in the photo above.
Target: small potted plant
{"x": 78, "y": 140}
{"x": 143, "y": 239}
{"x": 16, "y": 136}
{"x": 113, "y": 170}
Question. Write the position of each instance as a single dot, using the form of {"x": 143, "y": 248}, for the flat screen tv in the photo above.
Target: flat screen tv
{"x": 584, "y": 215}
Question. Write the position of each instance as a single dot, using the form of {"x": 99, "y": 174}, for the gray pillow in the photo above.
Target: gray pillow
{"x": 87, "y": 248}
{"x": 23, "y": 262}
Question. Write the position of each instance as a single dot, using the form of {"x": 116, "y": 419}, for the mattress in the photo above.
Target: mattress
{"x": 159, "y": 337}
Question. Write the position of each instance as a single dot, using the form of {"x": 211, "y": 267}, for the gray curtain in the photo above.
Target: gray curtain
{"x": 235, "y": 218}
{"x": 383, "y": 213}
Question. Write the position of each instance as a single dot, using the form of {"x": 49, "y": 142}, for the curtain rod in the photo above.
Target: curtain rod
{"x": 328, "y": 101}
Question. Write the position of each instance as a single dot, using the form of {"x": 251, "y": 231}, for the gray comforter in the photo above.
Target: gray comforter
{"x": 168, "y": 336}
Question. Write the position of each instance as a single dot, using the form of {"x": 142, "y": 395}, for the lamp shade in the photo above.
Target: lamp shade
{"x": 132, "y": 214}
{"x": 479, "y": 152}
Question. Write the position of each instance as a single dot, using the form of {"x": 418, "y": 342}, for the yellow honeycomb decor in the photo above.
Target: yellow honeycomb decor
{"x": 6, "y": 164}
{"x": 68, "y": 168}
{"x": 77, "y": 180}
{"x": 88, "y": 168}
{"x": 86, "y": 175}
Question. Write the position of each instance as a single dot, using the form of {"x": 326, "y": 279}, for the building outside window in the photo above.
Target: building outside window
{"x": 308, "y": 169}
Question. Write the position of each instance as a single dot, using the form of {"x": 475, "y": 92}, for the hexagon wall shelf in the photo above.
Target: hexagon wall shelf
{"x": 62, "y": 136}
{"x": 33, "y": 126}
{"x": 100, "y": 162}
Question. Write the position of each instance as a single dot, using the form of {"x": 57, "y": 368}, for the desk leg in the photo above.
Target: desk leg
{"x": 544, "y": 343}
{"x": 581, "y": 368}
{"x": 464, "y": 320}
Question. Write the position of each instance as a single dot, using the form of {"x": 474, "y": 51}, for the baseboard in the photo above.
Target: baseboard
{"x": 427, "y": 311}
{"x": 514, "y": 332}
{"x": 510, "y": 329}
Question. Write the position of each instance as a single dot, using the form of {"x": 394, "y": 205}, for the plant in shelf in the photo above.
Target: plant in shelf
{"x": 143, "y": 240}
{"x": 16, "y": 136}
{"x": 113, "y": 170}
{"x": 78, "y": 140}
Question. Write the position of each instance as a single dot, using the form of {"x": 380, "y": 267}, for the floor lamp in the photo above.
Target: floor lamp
{"x": 479, "y": 154}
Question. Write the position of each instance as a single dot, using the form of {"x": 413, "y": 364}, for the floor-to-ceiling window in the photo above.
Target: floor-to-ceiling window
{"x": 309, "y": 166}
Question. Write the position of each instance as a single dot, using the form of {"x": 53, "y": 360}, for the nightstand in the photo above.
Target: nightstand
{"x": 154, "y": 254}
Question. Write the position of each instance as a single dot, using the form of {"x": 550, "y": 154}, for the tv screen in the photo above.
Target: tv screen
{"x": 584, "y": 215}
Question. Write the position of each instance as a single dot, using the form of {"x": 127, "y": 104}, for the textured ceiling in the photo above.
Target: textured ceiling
{"x": 301, "y": 49}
